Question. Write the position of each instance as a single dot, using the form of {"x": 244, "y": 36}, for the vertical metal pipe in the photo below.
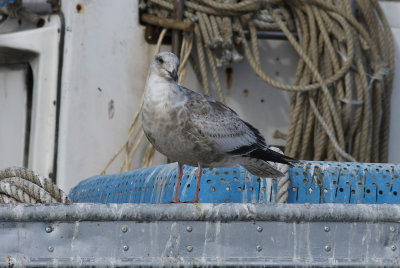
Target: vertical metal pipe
{"x": 176, "y": 34}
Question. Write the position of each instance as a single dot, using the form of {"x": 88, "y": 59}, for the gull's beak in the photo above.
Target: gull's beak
{"x": 174, "y": 75}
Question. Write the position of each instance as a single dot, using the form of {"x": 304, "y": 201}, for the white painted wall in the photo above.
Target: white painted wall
{"x": 105, "y": 61}
{"x": 12, "y": 115}
{"x": 392, "y": 11}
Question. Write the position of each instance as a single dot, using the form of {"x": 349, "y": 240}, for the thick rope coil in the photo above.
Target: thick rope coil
{"x": 21, "y": 185}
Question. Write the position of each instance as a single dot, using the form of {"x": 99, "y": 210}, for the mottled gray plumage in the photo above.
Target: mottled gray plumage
{"x": 196, "y": 129}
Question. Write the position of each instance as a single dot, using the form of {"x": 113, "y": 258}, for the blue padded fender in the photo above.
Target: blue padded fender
{"x": 311, "y": 182}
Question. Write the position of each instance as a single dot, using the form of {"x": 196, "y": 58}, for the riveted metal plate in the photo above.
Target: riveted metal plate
{"x": 200, "y": 235}
{"x": 167, "y": 243}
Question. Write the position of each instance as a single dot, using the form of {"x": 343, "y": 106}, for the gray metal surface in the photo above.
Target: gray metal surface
{"x": 200, "y": 235}
{"x": 201, "y": 212}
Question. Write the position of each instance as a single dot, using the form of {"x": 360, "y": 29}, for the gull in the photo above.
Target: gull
{"x": 196, "y": 130}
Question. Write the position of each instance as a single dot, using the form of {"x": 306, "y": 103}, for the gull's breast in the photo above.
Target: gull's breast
{"x": 163, "y": 124}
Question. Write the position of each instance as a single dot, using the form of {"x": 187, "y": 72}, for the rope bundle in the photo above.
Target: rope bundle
{"x": 352, "y": 60}
{"x": 21, "y": 185}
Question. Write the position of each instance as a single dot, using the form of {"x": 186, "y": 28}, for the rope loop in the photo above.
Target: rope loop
{"x": 22, "y": 185}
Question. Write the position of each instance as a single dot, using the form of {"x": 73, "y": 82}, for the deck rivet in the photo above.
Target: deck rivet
{"x": 393, "y": 247}
{"x": 259, "y": 228}
{"x": 189, "y": 228}
{"x": 125, "y": 247}
{"x": 50, "y": 249}
{"x": 49, "y": 229}
{"x": 189, "y": 248}
{"x": 327, "y": 248}
{"x": 258, "y": 248}
{"x": 327, "y": 229}
{"x": 124, "y": 229}
{"x": 391, "y": 228}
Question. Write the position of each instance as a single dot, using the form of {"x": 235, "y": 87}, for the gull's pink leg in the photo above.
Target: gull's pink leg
{"x": 175, "y": 199}
{"x": 198, "y": 178}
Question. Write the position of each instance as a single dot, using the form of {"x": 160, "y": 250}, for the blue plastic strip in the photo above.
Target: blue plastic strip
{"x": 156, "y": 185}
{"x": 4, "y": 2}
{"x": 311, "y": 182}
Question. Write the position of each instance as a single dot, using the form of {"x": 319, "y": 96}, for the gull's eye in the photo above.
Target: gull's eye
{"x": 160, "y": 60}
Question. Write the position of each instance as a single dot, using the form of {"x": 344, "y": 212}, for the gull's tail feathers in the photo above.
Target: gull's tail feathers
{"x": 259, "y": 168}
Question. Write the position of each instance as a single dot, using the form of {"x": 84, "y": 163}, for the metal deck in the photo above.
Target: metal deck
{"x": 272, "y": 235}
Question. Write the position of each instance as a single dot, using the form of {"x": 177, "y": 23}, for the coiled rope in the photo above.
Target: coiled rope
{"x": 21, "y": 185}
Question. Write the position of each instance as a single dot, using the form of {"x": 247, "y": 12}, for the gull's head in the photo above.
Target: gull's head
{"x": 165, "y": 64}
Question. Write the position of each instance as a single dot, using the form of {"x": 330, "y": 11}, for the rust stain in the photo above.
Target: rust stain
{"x": 79, "y": 8}
{"x": 250, "y": 211}
{"x": 245, "y": 92}
{"x": 229, "y": 76}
